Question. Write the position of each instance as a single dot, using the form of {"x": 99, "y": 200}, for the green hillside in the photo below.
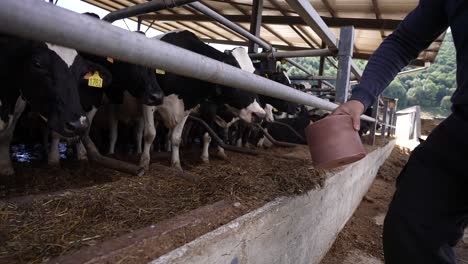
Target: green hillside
{"x": 431, "y": 89}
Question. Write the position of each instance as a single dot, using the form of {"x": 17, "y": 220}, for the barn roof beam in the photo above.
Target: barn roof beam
{"x": 312, "y": 18}
{"x": 69, "y": 29}
{"x": 358, "y": 23}
{"x": 221, "y": 19}
{"x": 144, "y": 8}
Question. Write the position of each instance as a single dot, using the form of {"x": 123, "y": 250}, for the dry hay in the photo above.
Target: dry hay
{"x": 53, "y": 224}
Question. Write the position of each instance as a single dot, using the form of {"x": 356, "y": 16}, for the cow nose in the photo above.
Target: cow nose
{"x": 79, "y": 126}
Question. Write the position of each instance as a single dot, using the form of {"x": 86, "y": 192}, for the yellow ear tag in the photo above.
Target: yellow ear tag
{"x": 109, "y": 59}
{"x": 95, "y": 80}
{"x": 159, "y": 71}
{"x": 283, "y": 61}
{"x": 275, "y": 110}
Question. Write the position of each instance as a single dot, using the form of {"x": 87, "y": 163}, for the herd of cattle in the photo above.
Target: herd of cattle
{"x": 69, "y": 89}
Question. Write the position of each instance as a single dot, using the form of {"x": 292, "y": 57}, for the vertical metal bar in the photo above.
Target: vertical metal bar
{"x": 391, "y": 115}
{"x": 384, "y": 118}
{"x": 255, "y": 24}
{"x": 345, "y": 54}
{"x": 139, "y": 24}
{"x": 375, "y": 114}
{"x": 394, "y": 119}
{"x": 322, "y": 65}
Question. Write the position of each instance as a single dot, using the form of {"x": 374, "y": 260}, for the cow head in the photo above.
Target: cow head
{"x": 139, "y": 81}
{"x": 243, "y": 104}
{"x": 51, "y": 88}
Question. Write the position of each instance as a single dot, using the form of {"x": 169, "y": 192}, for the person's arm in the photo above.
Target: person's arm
{"x": 415, "y": 33}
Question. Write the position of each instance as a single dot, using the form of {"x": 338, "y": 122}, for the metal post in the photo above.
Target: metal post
{"x": 311, "y": 77}
{"x": 313, "y": 20}
{"x": 394, "y": 119}
{"x": 255, "y": 23}
{"x": 233, "y": 26}
{"x": 293, "y": 54}
{"x": 384, "y": 119}
{"x": 373, "y": 128}
{"x": 139, "y": 24}
{"x": 345, "y": 55}
{"x": 144, "y": 8}
{"x": 322, "y": 64}
{"x": 391, "y": 115}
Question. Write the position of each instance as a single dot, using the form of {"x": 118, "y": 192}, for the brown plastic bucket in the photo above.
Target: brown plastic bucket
{"x": 333, "y": 142}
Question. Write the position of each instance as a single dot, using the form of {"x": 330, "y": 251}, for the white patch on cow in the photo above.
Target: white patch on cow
{"x": 256, "y": 108}
{"x": 221, "y": 154}
{"x": 287, "y": 78}
{"x": 66, "y": 54}
{"x": 54, "y": 154}
{"x": 222, "y": 123}
{"x": 83, "y": 119}
{"x": 162, "y": 35}
{"x": 149, "y": 134}
{"x": 239, "y": 142}
{"x": 175, "y": 141}
{"x": 5, "y": 138}
{"x": 260, "y": 142}
{"x": 174, "y": 116}
{"x": 172, "y": 110}
{"x": 246, "y": 113}
{"x": 269, "y": 113}
{"x": 281, "y": 116}
{"x": 267, "y": 143}
{"x": 242, "y": 57}
{"x": 205, "y": 156}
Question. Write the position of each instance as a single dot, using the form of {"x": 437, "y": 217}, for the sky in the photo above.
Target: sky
{"x": 82, "y": 7}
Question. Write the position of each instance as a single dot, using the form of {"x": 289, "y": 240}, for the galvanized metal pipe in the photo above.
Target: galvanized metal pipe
{"x": 311, "y": 78}
{"x": 233, "y": 26}
{"x": 144, "y": 8}
{"x": 293, "y": 54}
{"x": 43, "y": 22}
{"x": 313, "y": 20}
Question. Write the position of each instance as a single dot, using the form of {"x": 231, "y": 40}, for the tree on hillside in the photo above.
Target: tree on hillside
{"x": 397, "y": 90}
{"x": 445, "y": 103}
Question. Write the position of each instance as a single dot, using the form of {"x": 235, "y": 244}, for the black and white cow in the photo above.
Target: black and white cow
{"x": 92, "y": 96}
{"x": 45, "y": 76}
{"x": 134, "y": 95}
{"x": 184, "y": 95}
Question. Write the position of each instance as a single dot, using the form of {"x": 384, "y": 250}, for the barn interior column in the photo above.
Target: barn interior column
{"x": 255, "y": 24}
{"x": 345, "y": 55}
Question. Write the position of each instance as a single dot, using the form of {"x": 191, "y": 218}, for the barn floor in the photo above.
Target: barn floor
{"x": 48, "y": 212}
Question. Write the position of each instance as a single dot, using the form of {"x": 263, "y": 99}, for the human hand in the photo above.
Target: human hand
{"x": 352, "y": 108}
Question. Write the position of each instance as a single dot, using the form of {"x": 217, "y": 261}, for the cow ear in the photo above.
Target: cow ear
{"x": 103, "y": 72}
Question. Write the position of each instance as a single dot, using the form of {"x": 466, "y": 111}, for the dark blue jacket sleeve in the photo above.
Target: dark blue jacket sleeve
{"x": 414, "y": 34}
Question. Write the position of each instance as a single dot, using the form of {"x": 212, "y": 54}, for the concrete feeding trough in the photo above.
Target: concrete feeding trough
{"x": 297, "y": 229}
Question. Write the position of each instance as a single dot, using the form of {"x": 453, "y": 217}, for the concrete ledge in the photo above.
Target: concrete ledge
{"x": 287, "y": 230}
